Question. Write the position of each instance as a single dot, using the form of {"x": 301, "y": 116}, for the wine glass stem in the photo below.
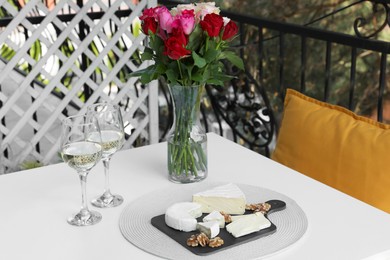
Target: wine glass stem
{"x": 83, "y": 181}
{"x": 106, "y": 163}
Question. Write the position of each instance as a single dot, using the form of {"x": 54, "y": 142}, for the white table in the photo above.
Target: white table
{"x": 36, "y": 203}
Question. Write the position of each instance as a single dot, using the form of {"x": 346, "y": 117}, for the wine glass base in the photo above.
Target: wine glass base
{"x": 107, "y": 201}
{"x": 85, "y": 219}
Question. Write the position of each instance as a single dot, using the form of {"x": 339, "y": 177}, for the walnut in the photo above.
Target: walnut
{"x": 192, "y": 241}
{"x": 202, "y": 239}
{"x": 216, "y": 242}
{"x": 227, "y": 217}
{"x": 259, "y": 207}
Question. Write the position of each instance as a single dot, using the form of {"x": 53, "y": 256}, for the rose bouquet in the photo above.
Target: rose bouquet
{"x": 187, "y": 45}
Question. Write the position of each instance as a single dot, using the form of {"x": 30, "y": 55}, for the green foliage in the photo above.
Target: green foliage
{"x": 26, "y": 165}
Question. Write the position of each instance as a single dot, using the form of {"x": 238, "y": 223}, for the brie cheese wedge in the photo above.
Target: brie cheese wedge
{"x": 215, "y": 216}
{"x": 248, "y": 224}
{"x": 211, "y": 229}
{"x": 227, "y": 198}
{"x": 182, "y": 216}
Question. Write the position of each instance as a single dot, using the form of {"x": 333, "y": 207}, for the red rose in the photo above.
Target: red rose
{"x": 230, "y": 30}
{"x": 175, "y": 47}
{"x": 149, "y": 12}
{"x": 212, "y": 24}
{"x": 179, "y": 34}
{"x": 149, "y": 24}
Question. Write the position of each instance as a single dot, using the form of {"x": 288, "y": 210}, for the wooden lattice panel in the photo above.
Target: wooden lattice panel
{"x": 60, "y": 59}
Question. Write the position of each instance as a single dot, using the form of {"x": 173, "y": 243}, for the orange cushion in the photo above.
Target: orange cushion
{"x": 337, "y": 147}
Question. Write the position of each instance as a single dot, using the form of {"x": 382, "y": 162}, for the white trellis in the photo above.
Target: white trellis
{"x": 30, "y": 112}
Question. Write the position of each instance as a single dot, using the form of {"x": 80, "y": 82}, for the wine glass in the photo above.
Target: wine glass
{"x": 112, "y": 134}
{"x": 82, "y": 153}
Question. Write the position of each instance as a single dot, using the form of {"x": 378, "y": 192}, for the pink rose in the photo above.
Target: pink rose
{"x": 164, "y": 18}
{"x": 187, "y": 21}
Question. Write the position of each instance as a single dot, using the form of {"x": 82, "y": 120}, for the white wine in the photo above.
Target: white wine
{"x": 112, "y": 141}
{"x": 82, "y": 156}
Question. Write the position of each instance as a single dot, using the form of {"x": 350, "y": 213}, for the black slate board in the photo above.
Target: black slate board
{"x": 229, "y": 241}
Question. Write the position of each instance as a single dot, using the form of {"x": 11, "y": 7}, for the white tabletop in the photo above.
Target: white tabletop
{"x": 36, "y": 203}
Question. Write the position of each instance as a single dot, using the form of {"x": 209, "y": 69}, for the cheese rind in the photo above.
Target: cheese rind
{"x": 215, "y": 216}
{"x": 248, "y": 224}
{"x": 227, "y": 198}
{"x": 211, "y": 229}
{"x": 182, "y": 216}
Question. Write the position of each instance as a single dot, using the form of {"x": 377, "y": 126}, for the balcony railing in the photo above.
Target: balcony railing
{"x": 59, "y": 59}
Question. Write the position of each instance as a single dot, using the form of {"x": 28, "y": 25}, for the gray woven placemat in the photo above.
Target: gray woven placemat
{"x": 135, "y": 225}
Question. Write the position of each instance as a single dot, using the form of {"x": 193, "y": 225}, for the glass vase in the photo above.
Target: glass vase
{"x": 187, "y": 140}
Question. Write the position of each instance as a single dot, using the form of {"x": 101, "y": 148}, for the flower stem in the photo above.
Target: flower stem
{"x": 179, "y": 65}
{"x": 186, "y": 157}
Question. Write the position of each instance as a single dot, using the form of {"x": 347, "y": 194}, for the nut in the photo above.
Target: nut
{"x": 227, "y": 217}
{"x": 202, "y": 239}
{"x": 258, "y": 207}
{"x": 216, "y": 242}
{"x": 192, "y": 241}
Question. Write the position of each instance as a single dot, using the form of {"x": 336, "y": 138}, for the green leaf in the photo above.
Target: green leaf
{"x": 147, "y": 54}
{"x": 233, "y": 58}
{"x": 156, "y": 42}
{"x": 198, "y": 61}
{"x": 211, "y": 55}
{"x": 214, "y": 81}
{"x": 139, "y": 73}
{"x": 223, "y": 77}
{"x": 146, "y": 78}
{"x": 197, "y": 77}
{"x": 172, "y": 76}
{"x": 195, "y": 38}
{"x": 160, "y": 68}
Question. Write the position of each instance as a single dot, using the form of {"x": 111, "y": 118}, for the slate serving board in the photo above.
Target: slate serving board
{"x": 229, "y": 241}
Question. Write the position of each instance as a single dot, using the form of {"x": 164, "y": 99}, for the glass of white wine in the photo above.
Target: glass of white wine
{"x": 112, "y": 134}
{"x": 82, "y": 154}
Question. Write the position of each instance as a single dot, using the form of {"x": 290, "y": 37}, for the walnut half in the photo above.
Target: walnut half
{"x": 259, "y": 207}
{"x": 216, "y": 242}
{"x": 227, "y": 217}
{"x": 202, "y": 239}
{"x": 192, "y": 241}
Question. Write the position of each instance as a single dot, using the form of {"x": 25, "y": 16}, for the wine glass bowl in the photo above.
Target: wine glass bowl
{"x": 112, "y": 134}
{"x": 82, "y": 154}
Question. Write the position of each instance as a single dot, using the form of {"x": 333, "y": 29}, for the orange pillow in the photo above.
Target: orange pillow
{"x": 337, "y": 147}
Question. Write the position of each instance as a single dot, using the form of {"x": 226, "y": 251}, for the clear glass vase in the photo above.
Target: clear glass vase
{"x": 187, "y": 140}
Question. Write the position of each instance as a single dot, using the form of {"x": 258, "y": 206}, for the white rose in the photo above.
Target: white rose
{"x": 202, "y": 9}
{"x": 225, "y": 21}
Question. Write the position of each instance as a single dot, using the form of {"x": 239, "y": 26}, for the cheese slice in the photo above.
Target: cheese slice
{"x": 215, "y": 216}
{"x": 182, "y": 216}
{"x": 237, "y": 217}
{"x": 248, "y": 224}
{"x": 227, "y": 198}
{"x": 211, "y": 229}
